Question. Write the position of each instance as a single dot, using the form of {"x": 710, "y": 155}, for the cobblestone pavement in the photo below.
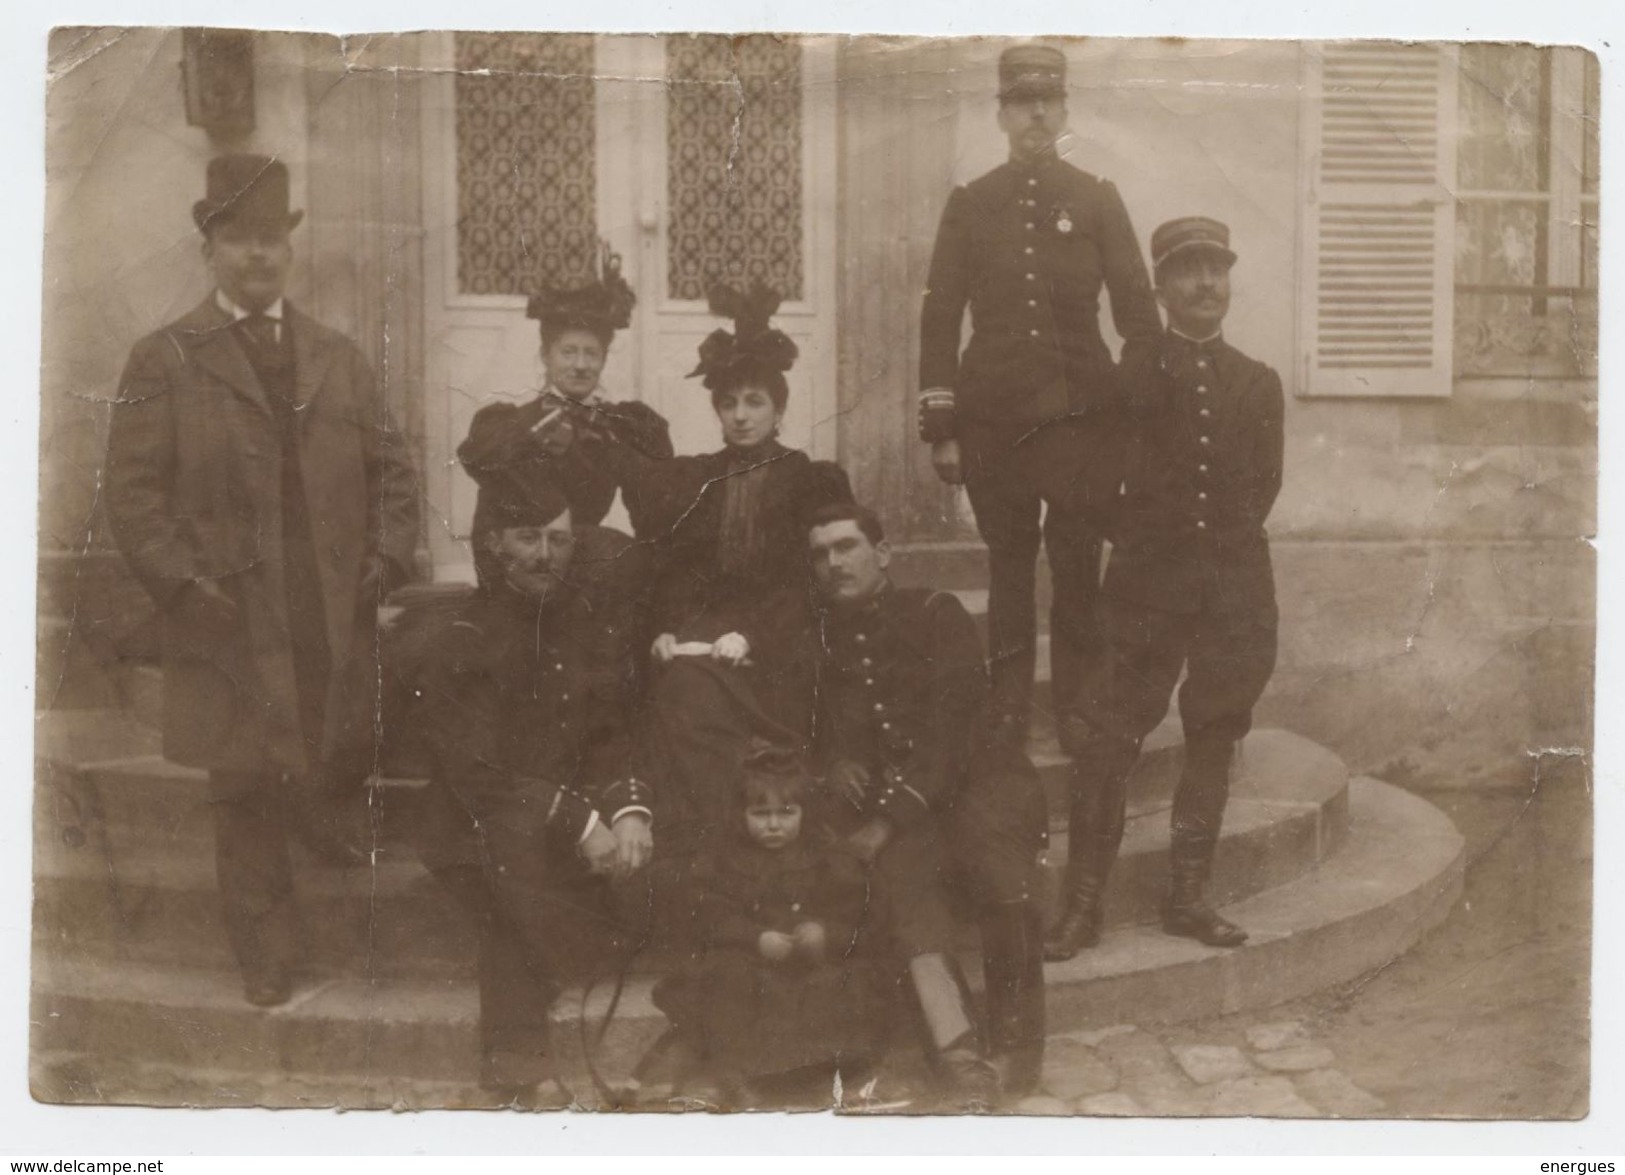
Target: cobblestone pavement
{"x": 1274, "y": 1068}
{"x": 1488, "y": 1017}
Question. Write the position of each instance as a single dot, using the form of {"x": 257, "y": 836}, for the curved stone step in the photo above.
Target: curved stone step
{"x": 145, "y": 892}
{"x": 1288, "y": 812}
{"x": 1398, "y": 875}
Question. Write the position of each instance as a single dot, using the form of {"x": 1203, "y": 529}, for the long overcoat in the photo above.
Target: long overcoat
{"x": 194, "y": 490}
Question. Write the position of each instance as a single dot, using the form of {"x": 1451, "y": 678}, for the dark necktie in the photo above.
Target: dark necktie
{"x": 261, "y": 331}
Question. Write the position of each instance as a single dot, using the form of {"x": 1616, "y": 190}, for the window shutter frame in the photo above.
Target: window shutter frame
{"x": 1377, "y": 248}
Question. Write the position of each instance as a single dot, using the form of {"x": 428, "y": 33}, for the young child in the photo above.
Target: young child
{"x": 777, "y": 990}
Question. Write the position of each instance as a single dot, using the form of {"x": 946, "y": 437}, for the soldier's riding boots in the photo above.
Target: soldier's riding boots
{"x": 1013, "y": 966}
{"x": 1204, "y": 787}
{"x": 1094, "y": 834}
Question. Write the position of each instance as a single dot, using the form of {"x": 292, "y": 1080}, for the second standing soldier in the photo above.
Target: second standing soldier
{"x": 1190, "y": 588}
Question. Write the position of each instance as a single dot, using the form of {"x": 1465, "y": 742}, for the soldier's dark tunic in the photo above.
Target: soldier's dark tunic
{"x": 1028, "y": 248}
{"x": 1190, "y": 582}
{"x": 523, "y": 713}
{"x": 903, "y": 693}
{"x": 502, "y": 445}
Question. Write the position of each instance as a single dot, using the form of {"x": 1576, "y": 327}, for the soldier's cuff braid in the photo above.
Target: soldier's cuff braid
{"x": 936, "y": 415}
{"x": 573, "y": 811}
{"x": 630, "y": 792}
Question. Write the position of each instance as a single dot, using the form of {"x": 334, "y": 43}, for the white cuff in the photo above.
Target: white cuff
{"x": 628, "y": 810}
{"x": 592, "y": 823}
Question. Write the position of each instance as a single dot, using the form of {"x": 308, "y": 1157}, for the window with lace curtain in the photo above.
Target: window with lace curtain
{"x": 1526, "y": 212}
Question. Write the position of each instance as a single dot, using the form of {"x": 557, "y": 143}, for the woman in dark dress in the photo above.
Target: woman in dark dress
{"x": 731, "y": 605}
{"x": 570, "y": 426}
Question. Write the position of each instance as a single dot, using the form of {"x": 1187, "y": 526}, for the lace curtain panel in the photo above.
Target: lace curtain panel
{"x": 1505, "y": 222}
{"x": 526, "y": 186}
{"x": 734, "y": 171}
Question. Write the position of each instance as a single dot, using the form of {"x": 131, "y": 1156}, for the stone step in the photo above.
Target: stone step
{"x": 356, "y": 1043}
{"x": 109, "y": 763}
{"x": 391, "y": 921}
{"x": 140, "y": 889}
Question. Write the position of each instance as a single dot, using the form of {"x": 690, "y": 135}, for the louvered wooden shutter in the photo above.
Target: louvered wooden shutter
{"x": 1379, "y": 165}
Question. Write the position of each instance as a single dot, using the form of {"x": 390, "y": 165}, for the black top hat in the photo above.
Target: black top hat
{"x": 755, "y": 347}
{"x": 1189, "y": 233}
{"x": 1032, "y": 71}
{"x": 602, "y": 305}
{"x": 250, "y": 188}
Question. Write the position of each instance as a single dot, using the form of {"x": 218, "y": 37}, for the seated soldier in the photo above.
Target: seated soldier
{"x": 777, "y": 993}
{"x": 533, "y": 802}
{"x": 1189, "y": 589}
{"x": 921, "y": 784}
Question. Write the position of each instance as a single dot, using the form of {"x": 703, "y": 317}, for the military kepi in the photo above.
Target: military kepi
{"x": 248, "y": 188}
{"x": 1190, "y": 233}
{"x": 512, "y": 499}
{"x": 1032, "y": 71}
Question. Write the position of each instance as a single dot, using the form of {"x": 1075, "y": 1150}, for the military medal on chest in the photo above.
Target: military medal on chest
{"x": 1063, "y": 222}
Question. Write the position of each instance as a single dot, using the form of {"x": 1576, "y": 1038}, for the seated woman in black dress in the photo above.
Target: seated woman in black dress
{"x": 735, "y": 643}
{"x": 570, "y": 424}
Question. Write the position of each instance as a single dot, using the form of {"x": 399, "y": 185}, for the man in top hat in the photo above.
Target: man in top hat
{"x": 522, "y": 704}
{"x": 1189, "y": 589}
{"x": 1028, "y": 247}
{"x": 259, "y": 492}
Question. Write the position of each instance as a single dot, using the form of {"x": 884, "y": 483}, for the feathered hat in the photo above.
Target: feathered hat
{"x": 603, "y": 305}
{"x": 755, "y": 347}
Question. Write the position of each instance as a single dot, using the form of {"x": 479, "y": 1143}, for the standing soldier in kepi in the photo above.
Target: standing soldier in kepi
{"x": 1189, "y": 587}
{"x": 1028, "y": 247}
{"x": 260, "y": 494}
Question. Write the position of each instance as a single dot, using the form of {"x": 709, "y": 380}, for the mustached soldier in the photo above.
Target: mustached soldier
{"x": 533, "y": 801}
{"x": 1189, "y": 588}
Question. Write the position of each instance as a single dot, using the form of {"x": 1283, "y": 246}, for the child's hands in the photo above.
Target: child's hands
{"x": 811, "y": 941}
{"x": 775, "y": 946}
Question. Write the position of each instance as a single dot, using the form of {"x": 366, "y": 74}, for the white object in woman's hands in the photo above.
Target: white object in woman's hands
{"x": 732, "y": 648}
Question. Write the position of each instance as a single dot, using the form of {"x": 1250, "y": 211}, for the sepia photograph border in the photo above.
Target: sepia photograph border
{"x": 93, "y": 1130}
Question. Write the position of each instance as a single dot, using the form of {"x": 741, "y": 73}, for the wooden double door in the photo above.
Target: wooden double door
{"x": 697, "y": 158}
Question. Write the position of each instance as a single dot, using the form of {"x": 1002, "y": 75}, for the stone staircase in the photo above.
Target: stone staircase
{"x": 135, "y": 998}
